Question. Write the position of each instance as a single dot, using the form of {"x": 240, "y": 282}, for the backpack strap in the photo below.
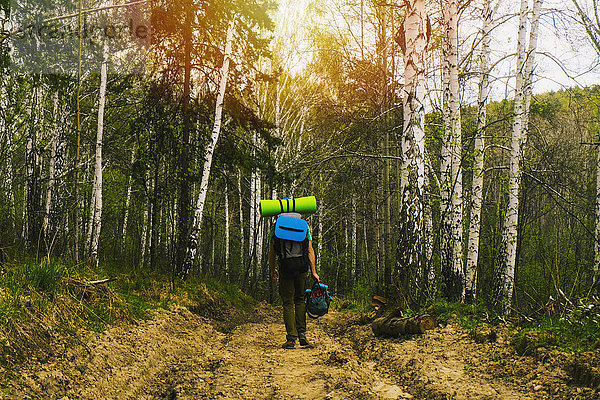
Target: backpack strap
{"x": 287, "y": 208}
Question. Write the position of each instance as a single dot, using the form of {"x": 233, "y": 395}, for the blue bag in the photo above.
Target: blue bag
{"x": 317, "y": 300}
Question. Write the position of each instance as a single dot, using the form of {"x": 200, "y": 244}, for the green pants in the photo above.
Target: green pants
{"x": 291, "y": 292}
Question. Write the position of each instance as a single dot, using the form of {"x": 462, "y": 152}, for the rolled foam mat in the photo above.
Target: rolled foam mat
{"x": 302, "y": 205}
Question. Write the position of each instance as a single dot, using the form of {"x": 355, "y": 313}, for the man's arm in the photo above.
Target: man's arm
{"x": 311, "y": 259}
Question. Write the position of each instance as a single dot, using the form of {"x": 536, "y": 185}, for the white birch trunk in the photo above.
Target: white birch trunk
{"x": 5, "y": 132}
{"x": 255, "y": 236}
{"x": 445, "y": 233}
{"x": 365, "y": 256}
{"x": 146, "y": 222}
{"x": 227, "y": 228}
{"x": 428, "y": 241}
{"x": 597, "y": 236}
{"x": 320, "y": 240}
{"x": 354, "y": 240}
{"x": 456, "y": 151}
{"x": 192, "y": 245}
{"x": 51, "y": 171}
{"x": 127, "y": 203}
{"x": 478, "y": 156}
{"x": 10, "y": 174}
{"x": 241, "y": 213}
{"x": 524, "y": 68}
{"x": 97, "y": 202}
{"x": 30, "y": 162}
{"x": 413, "y": 143}
{"x": 452, "y": 209}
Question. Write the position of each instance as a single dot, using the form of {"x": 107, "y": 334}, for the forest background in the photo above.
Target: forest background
{"x": 142, "y": 135}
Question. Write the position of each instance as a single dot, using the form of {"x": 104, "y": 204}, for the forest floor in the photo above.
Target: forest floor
{"x": 228, "y": 354}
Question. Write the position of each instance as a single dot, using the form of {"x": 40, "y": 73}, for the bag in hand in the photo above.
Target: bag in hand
{"x": 317, "y": 300}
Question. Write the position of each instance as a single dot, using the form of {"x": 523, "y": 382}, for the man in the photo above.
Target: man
{"x": 290, "y": 263}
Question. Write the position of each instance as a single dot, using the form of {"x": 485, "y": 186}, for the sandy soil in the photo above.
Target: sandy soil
{"x": 181, "y": 355}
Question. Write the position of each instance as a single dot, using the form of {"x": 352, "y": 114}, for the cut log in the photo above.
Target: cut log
{"x": 403, "y": 326}
{"x": 378, "y": 302}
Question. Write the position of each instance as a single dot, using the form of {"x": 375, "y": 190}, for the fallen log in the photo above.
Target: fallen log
{"x": 396, "y": 326}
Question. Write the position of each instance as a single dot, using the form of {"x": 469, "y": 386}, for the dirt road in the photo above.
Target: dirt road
{"x": 180, "y": 355}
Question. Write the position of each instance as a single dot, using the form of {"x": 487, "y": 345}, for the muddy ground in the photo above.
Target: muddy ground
{"x": 180, "y": 354}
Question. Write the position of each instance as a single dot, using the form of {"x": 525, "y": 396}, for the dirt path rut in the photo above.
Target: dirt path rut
{"x": 180, "y": 355}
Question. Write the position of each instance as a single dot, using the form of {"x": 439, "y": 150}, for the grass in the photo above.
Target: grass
{"x": 54, "y": 288}
{"x": 207, "y": 290}
{"x": 576, "y": 330}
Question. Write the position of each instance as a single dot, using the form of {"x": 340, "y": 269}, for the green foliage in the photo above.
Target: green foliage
{"x": 212, "y": 291}
{"x": 43, "y": 276}
{"x": 467, "y": 315}
{"x": 577, "y": 330}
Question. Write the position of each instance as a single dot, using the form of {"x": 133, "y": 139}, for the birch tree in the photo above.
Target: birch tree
{"x": 192, "y": 244}
{"x": 96, "y": 204}
{"x": 592, "y": 28}
{"x": 51, "y": 165}
{"x": 478, "y": 156}
{"x": 524, "y": 69}
{"x": 227, "y": 231}
{"x": 127, "y": 203}
{"x": 452, "y": 210}
{"x": 412, "y": 38}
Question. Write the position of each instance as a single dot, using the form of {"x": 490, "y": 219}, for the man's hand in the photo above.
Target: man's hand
{"x": 316, "y": 276}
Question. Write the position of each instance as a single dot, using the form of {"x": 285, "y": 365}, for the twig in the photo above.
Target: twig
{"x": 101, "y": 281}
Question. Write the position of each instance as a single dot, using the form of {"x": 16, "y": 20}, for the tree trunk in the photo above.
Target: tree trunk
{"x": 354, "y": 242}
{"x": 410, "y": 246}
{"x": 227, "y": 233}
{"x": 597, "y": 236}
{"x": 97, "y": 203}
{"x": 184, "y": 162}
{"x": 395, "y": 327}
{"x": 524, "y": 69}
{"x": 51, "y": 170}
{"x": 127, "y": 202}
{"x": 385, "y": 190}
{"x": 258, "y": 242}
{"x": 478, "y": 156}
{"x": 241, "y": 213}
{"x": 452, "y": 214}
{"x": 146, "y": 222}
{"x": 192, "y": 243}
{"x": 321, "y": 237}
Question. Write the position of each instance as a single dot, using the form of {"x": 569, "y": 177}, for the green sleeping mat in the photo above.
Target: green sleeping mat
{"x": 302, "y": 205}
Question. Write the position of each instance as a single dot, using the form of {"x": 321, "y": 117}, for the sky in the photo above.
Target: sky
{"x": 565, "y": 57}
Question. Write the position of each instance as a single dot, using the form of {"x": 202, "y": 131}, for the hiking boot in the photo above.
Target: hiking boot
{"x": 303, "y": 341}
{"x": 290, "y": 344}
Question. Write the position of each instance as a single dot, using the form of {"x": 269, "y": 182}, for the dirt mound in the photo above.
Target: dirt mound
{"x": 182, "y": 355}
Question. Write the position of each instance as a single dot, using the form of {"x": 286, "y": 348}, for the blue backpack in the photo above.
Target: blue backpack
{"x": 291, "y": 245}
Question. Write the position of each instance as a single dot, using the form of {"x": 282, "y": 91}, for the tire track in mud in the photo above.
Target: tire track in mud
{"x": 180, "y": 355}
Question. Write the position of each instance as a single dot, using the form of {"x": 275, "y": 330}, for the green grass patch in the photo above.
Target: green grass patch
{"x": 577, "y": 329}
{"x": 468, "y": 316}
{"x": 211, "y": 291}
{"x": 573, "y": 332}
